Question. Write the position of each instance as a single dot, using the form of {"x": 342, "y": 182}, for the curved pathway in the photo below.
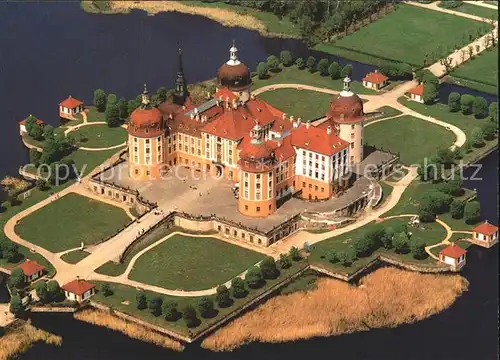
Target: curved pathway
{"x": 86, "y": 123}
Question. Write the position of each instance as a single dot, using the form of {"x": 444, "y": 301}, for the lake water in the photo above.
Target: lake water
{"x": 50, "y": 51}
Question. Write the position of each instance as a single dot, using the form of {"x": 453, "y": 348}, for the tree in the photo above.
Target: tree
{"x": 42, "y": 292}
{"x": 294, "y": 253}
{"x": 286, "y": 58}
{"x": 299, "y": 63}
{"x": 155, "y": 305}
{"x": 489, "y": 130}
{"x": 417, "y": 249}
{"x": 16, "y": 279}
{"x": 334, "y": 70}
{"x": 445, "y": 156}
{"x": 273, "y": 64}
{"x": 100, "y": 100}
{"x": 311, "y": 63}
{"x": 10, "y": 251}
{"x": 223, "y": 298}
{"x": 400, "y": 242}
{"x": 387, "y": 238}
{"x": 472, "y": 212}
{"x": 430, "y": 93}
{"x": 346, "y": 258}
{"x": 253, "y": 278}
{"x": 457, "y": 209}
{"x": 132, "y": 105}
{"x": 14, "y": 186}
{"x": 476, "y": 137}
{"x": 363, "y": 246}
{"x": 268, "y": 268}
{"x": 206, "y": 307}
{"x": 29, "y": 123}
{"x": 161, "y": 94}
{"x": 262, "y": 70}
{"x": 35, "y": 156}
{"x": 141, "y": 300}
{"x": 466, "y": 103}
{"x": 454, "y": 101}
{"x": 123, "y": 108}
{"x": 285, "y": 261}
{"x": 48, "y": 131}
{"x": 493, "y": 111}
{"x": 170, "y": 311}
{"x": 42, "y": 184}
{"x": 238, "y": 288}
{"x": 55, "y": 291}
{"x": 323, "y": 67}
{"x": 346, "y": 70}
{"x": 113, "y": 115}
{"x": 16, "y": 306}
{"x": 106, "y": 290}
{"x": 36, "y": 131}
{"x": 189, "y": 316}
{"x": 111, "y": 100}
{"x": 332, "y": 256}
{"x": 479, "y": 107}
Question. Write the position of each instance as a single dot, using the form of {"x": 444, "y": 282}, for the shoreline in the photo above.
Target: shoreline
{"x": 223, "y": 16}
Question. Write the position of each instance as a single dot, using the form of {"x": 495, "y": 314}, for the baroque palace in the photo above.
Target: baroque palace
{"x": 267, "y": 154}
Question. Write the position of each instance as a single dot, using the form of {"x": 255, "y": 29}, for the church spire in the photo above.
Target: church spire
{"x": 233, "y": 55}
{"x": 180, "y": 92}
{"x": 145, "y": 103}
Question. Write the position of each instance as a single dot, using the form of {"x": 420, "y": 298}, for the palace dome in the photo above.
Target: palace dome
{"x": 255, "y": 151}
{"x": 146, "y": 120}
{"x": 234, "y": 74}
{"x": 346, "y": 107}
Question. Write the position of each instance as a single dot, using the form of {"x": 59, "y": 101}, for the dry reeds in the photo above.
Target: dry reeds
{"x": 386, "y": 298}
{"x": 225, "y": 17}
{"x": 101, "y": 318}
{"x": 20, "y": 339}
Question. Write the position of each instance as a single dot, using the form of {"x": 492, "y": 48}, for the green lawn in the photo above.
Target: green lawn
{"x": 294, "y": 75}
{"x": 308, "y": 105}
{"x": 465, "y": 122}
{"x": 405, "y": 35}
{"x": 462, "y": 244}
{"x": 75, "y": 256}
{"x": 93, "y": 115}
{"x": 99, "y": 136}
{"x": 412, "y": 137}
{"x": 481, "y": 69}
{"x": 386, "y": 191}
{"x": 397, "y": 175}
{"x": 67, "y": 222}
{"x": 433, "y": 234}
{"x": 194, "y": 263}
{"x": 386, "y": 112}
{"x": 123, "y": 293}
{"x": 477, "y": 10}
{"x": 474, "y": 85}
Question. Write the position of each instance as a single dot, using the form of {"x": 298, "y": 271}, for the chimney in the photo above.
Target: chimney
{"x": 252, "y": 96}
{"x": 291, "y": 118}
{"x": 170, "y": 116}
{"x": 217, "y": 102}
{"x": 308, "y": 124}
{"x": 283, "y": 116}
{"x": 197, "y": 117}
{"x": 329, "y": 130}
{"x": 296, "y": 124}
{"x": 209, "y": 95}
{"x": 183, "y": 107}
{"x": 279, "y": 144}
{"x": 235, "y": 104}
{"x": 191, "y": 116}
{"x": 299, "y": 120}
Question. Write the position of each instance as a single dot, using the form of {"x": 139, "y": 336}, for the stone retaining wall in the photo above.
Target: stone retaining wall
{"x": 52, "y": 309}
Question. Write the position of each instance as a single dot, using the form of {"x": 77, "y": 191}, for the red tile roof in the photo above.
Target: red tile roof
{"x": 224, "y": 94}
{"x": 418, "y": 90}
{"x": 283, "y": 150}
{"x": 375, "y": 77}
{"x": 486, "y": 228}
{"x": 71, "y": 103}
{"x": 317, "y": 140}
{"x": 453, "y": 251}
{"x": 23, "y": 122}
{"x": 31, "y": 267}
{"x": 78, "y": 286}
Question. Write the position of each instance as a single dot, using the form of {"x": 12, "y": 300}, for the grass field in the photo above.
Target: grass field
{"x": 67, "y": 222}
{"x": 194, "y": 263}
{"x": 293, "y": 75}
{"x": 95, "y": 116}
{"x": 308, "y": 105}
{"x": 386, "y": 191}
{"x": 99, "y": 136}
{"x": 477, "y": 10}
{"x": 413, "y": 138}
{"x": 396, "y": 36}
{"x": 434, "y": 234}
{"x": 75, "y": 256}
{"x": 482, "y": 68}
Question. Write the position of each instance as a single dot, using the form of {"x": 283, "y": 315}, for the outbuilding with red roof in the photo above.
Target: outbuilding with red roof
{"x": 32, "y": 270}
{"x": 78, "y": 290}
{"x": 70, "y": 107}
{"x": 485, "y": 234}
{"x": 454, "y": 256}
{"x": 417, "y": 93}
{"x": 375, "y": 80}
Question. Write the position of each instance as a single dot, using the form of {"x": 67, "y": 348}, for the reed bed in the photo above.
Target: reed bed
{"x": 225, "y": 17}
{"x": 20, "y": 338}
{"x": 386, "y": 298}
{"x": 101, "y": 318}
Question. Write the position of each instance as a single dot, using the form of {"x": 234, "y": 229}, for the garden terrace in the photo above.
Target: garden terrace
{"x": 194, "y": 263}
{"x": 413, "y": 138}
{"x": 482, "y": 70}
{"x": 99, "y": 136}
{"x": 124, "y": 300}
{"x": 396, "y": 36}
{"x": 67, "y": 222}
{"x": 433, "y": 234}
